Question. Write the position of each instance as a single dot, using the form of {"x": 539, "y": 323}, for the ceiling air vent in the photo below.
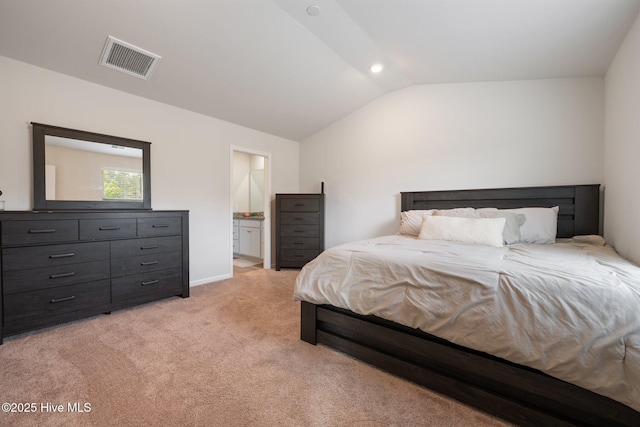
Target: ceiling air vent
{"x": 128, "y": 58}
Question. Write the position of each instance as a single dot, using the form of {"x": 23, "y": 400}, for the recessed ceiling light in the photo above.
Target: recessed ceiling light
{"x": 313, "y": 10}
{"x": 376, "y": 68}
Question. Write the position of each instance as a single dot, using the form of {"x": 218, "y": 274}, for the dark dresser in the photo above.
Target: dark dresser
{"x": 299, "y": 229}
{"x": 63, "y": 266}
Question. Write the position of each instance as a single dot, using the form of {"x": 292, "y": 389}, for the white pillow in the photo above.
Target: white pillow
{"x": 541, "y": 225}
{"x": 511, "y": 232}
{"x": 411, "y": 221}
{"x": 457, "y": 212}
{"x": 479, "y": 231}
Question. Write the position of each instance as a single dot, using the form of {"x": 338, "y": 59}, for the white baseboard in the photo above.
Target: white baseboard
{"x": 206, "y": 280}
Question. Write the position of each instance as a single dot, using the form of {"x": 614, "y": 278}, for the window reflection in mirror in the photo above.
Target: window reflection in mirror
{"x": 85, "y": 170}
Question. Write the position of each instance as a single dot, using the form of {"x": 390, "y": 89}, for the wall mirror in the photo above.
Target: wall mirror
{"x": 256, "y": 189}
{"x": 248, "y": 183}
{"x": 74, "y": 169}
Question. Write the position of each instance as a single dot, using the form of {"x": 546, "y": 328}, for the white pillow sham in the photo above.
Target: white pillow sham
{"x": 411, "y": 221}
{"x": 513, "y": 221}
{"x": 541, "y": 225}
{"x": 479, "y": 231}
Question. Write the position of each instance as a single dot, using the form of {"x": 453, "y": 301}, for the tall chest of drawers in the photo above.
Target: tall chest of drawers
{"x": 62, "y": 266}
{"x": 299, "y": 229}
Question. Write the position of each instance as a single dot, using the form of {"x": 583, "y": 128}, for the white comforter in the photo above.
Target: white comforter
{"x": 570, "y": 310}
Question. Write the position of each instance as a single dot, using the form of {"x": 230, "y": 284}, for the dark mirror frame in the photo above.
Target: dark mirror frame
{"x": 40, "y": 202}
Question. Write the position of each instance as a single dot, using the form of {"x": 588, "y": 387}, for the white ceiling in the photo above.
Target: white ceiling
{"x": 268, "y": 65}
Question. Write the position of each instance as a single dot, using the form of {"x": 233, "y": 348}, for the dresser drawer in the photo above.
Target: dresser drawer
{"x": 104, "y": 229}
{"x": 300, "y": 204}
{"x": 155, "y": 282}
{"x": 49, "y": 302}
{"x": 300, "y": 243}
{"x": 163, "y": 226}
{"x": 48, "y": 277}
{"x": 250, "y": 223}
{"x": 50, "y": 255}
{"x": 152, "y": 245}
{"x": 296, "y": 257}
{"x": 291, "y": 230}
{"x": 40, "y": 231}
{"x": 145, "y": 263}
{"x": 300, "y": 218}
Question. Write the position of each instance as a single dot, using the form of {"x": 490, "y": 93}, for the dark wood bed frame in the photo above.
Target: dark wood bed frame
{"x": 515, "y": 393}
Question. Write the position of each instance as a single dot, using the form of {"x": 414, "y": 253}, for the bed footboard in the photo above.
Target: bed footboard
{"x": 512, "y": 392}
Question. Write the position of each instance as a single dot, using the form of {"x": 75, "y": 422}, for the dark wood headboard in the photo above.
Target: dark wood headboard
{"x": 579, "y": 204}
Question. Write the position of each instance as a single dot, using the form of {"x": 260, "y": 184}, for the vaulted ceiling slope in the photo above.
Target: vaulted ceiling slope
{"x": 271, "y": 66}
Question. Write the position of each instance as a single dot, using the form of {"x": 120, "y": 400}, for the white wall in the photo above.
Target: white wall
{"x": 622, "y": 149}
{"x": 189, "y": 152}
{"x": 452, "y": 136}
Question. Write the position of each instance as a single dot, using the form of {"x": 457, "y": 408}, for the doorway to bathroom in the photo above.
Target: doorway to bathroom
{"x": 250, "y": 210}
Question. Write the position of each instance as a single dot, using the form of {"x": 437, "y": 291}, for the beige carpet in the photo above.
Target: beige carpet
{"x": 246, "y": 262}
{"x": 228, "y": 356}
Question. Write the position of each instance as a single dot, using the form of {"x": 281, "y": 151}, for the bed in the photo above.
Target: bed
{"x": 517, "y": 392}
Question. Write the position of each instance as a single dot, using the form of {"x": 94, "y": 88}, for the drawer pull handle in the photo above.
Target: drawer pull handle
{"x": 56, "y": 256}
{"x": 108, "y": 228}
{"x": 298, "y": 256}
{"x": 149, "y": 247}
{"x": 148, "y": 263}
{"x": 298, "y": 243}
{"x": 61, "y": 275}
{"x": 53, "y": 301}
{"x": 298, "y": 231}
{"x": 150, "y": 282}
{"x": 160, "y": 226}
{"x": 298, "y": 204}
{"x": 46, "y": 230}
{"x": 299, "y": 219}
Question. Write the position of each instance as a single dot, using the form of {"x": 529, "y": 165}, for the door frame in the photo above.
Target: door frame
{"x": 266, "y": 244}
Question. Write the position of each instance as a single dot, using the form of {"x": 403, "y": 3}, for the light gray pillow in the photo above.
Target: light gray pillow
{"x": 511, "y": 232}
{"x": 540, "y": 226}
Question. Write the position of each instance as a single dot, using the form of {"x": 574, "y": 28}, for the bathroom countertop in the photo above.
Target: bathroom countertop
{"x": 253, "y": 217}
